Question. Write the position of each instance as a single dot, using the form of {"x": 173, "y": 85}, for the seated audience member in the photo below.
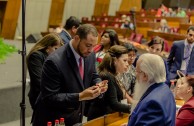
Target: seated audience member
{"x": 164, "y": 26}
{"x": 162, "y": 10}
{"x": 170, "y": 13}
{"x": 70, "y": 29}
{"x": 155, "y": 104}
{"x": 123, "y": 18}
{"x": 128, "y": 78}
{"x": 35, "y": 60}
{"x": 114, "y": 63}
{"x": 127, "y": 24}
{"x": 185, "y": 90}
{"x": 181, "y": 13}
{"x": 109, "y": 38}
{"x": 156, "y": 46}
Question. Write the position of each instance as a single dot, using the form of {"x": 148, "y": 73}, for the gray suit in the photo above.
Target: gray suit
{"x": 60, "y": 87}
{"x": 65, "y": 37}
{"x": 175, "y": 58}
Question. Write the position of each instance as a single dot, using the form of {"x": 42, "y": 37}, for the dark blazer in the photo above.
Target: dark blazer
{"x": 185, "y": 116}
{"x": 65, "y": 37}
{"x": 111, "y": 102}
{"x": 175, "y": 58}
{"x": 167, "y": 73}
{"x": 155, "y": 108}
{"x": 61, "y": 84}
{"x": 35, "y": 63}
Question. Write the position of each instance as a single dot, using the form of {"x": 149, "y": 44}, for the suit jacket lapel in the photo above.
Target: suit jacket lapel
{"x": 73, "y": 63}
{"x": 191, "y": 56}
{"x": 86, "y": 64}
{"x": 182, "y": 46}
{"x": 152, "y": 87}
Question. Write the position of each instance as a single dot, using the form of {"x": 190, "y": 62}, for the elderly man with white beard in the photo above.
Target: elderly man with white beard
{"x": 155, "y": 103}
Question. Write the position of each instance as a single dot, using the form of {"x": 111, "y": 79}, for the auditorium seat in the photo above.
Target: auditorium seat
{"x": 106, "y": 19}
{"x": 176, "y": 30}
{"x": 132, "y": 36}
{"x": 84, "y": 19}
{"x": 166, "y": 46}
{"x": 103, "y": 25}
{"x": 138, "y": 38}
{"x": 116, "y": 25}
{"x": 116, "y": 19}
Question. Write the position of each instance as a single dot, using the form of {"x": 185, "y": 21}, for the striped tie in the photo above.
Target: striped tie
{"x": 81, "y": 71}
{"x": 187, "y": 55}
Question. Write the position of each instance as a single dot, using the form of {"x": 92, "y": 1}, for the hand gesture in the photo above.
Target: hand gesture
{"x": 90, "y": 93}
{"x": 103, "y": 85}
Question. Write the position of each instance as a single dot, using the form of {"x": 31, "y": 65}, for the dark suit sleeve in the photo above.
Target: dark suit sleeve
{"x": 167, "y": 73}
{"x": 171, "y": 56}
{"x": 150, "y": 115}
{"x": 112, "y": 96}
{"x": 95, "y": 76}
{"x": 51, "y": 88}
{"x": 35, "y": 64}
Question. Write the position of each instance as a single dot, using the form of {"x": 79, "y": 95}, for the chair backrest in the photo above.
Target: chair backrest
{"x": 166, "y": 46}
{"x": 132, "y": 36}
{"x": 138, "y": 38}
{"x": 176, "y": 30}
{"x": 103, "y": 25}
{"x": 84, "y": 19}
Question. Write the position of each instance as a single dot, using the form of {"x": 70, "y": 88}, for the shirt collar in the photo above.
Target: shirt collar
{"x": 67, "y": 33}
{"x": 77, "y": 56}
{"x": 186, "y": 43}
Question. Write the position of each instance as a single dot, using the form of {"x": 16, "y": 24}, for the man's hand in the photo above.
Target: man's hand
{"x": 90, "y": 93}
{"x": 103, "y": 85}
{"x": 124, "y": 124}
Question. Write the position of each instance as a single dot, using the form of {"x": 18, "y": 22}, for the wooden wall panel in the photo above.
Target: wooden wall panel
{"x": 127, "y": 5}
{"x": 10, "y": 19}
{"x": 101, "y": 7}
{"x": 56, "y": 12}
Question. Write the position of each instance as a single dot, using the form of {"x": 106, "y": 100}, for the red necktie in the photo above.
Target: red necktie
{"x": 81, "y": 71}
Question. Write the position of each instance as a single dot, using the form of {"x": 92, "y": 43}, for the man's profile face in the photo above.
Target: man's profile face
{"x": 139, "y": 73}
{"x": 190, "y": 36}
{"x": 85, "y": 46}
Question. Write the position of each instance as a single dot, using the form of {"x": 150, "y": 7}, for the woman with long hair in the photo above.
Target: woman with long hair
{"x": 109, "y": 38}
{"x": 35, "y": 60}
{"x": 114, "y": 63}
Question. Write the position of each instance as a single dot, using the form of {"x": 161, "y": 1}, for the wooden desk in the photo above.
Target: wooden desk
{"x": 179, "y": 102}
{"x": 167, "y": 36}
{"x": 109, "y": 120}
{"x": 119, "y": 122}
{"x": 184, "y": 27}
{"x": 120, "y": 32}
{"x": 115, "y": 119}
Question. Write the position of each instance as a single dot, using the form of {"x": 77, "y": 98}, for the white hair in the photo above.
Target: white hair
{"x": 153, "y": 66}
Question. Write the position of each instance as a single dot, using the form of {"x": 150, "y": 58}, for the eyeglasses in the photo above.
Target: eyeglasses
{"x": 132, "y": 56}
{"x": 138, "y": 71}
{"x": 158, "y": 40}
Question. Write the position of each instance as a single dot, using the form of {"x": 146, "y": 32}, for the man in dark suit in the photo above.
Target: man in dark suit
{"x": 69, "y": 78}
{"x": 70, "y": 28}
{"x": 181, "y": 56}
{"x": 154, "y": 103}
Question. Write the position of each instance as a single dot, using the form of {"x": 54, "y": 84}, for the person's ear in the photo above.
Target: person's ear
{"x": 77, "y": 38}
{"x": 74, "y": 29}
{"x": 190, "y": 89}
{"x": 145, "y": 77}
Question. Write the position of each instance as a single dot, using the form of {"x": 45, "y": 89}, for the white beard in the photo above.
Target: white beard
{"x": 140, "y": 89}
